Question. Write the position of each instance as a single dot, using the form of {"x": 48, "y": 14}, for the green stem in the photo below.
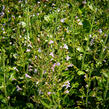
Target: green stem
{"x": 82, "y": 67}
{"x": 105, "y": 93}
{"x": 83, "y": 61}
{"x": 87, "y": 94}
{"x": 102, "y": 51}
{"x": 28, "y": 21}
{"x": 5, "y": 90}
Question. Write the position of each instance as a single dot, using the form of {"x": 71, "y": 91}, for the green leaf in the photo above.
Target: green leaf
{"x": 79, "y": 11}
{"x": 30, "y": 105}
{"x": 45, "y": 104}
{"x": 80, "y": 73}
{"x": 105, "y": 74}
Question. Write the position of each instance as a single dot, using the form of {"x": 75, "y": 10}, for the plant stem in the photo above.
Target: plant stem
{"x": 87, "y": 94}
{"x": 105, "y": 93}
{"x": 82, "y": 67}
{"x": 4, "y": 71}
{"x": 83, "y": 61}
{"x": 102, "y": 51}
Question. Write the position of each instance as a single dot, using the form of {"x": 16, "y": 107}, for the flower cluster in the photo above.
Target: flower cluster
{"x": 66, "y": 84}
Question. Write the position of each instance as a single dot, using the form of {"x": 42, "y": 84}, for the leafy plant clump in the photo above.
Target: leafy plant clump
{"x": 54, "y": 54}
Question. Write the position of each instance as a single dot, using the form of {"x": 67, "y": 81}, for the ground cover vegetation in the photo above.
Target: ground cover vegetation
{"x": 54, "y": 54}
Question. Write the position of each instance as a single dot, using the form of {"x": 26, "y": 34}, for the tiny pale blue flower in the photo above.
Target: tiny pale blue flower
{"x": 66, "y": 91}
{"x": 51, "y": 42}
{"x": 27, "y": 76}
{"x": 39, "y": 50}
{"x": 58, "y": 64}
{"x": 18, "y": 88}
{"x": 67, "y": 58}
{"x": 51, "y": 54}
{"x": 49, "y": 93}
{"x": 100, "y": 31}
{"x": 65, "y": 46}
{"x": 62, "y": 20}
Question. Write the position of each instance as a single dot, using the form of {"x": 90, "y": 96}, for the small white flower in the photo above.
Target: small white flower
{"x": 30, "y": 66}
{"x": 52, "y": 69}
{"x": 54, "y": 64}
{"x": 27, "y": 76}
{"x": 10, "y": 43}
{"x": 105, "y": 35}
{"x": 30, "y": 60}
{"x": 28, "y": 50}
{"x": 37, "y": 82}
{"x": 15, "y": 69}
{"x": 38, "y": 39}
{"x": 53, "y": 4}
{"x": 58, "y": 64}
{"x": 66, "y": 69}
{"x": 67, "y": 58}
{"x": 78, "y": 20}
{"x": 29, "y": 45}
{"x": 80, "y": 23}
{"x": 87, "y": 86}
{"x": 33, "y": 15}
{"x": 66, "y": 91}
{"x": 20, "y": 1}
{"x": 63, "y": 38}
{"x": 51, "y": 59}
{"x": 3, "y": 29}
{"x": 78, "y": 48}
{"x": 84, "y": 2}
{"x": 30, "y": 70}
{"x": 62, "y": 20}
{"x": 35, "y": 70}
{"x": 2, "y": 13}
{"x": 65, "y": 46}
{"x": 70, "y": 65}
{"x": 60, "y": 46}
{"x": 100, "y": 31}
{"x": 90, "y": 35}
{"x": 51, "y": 54}
{"x": 13, "y": 16}
{"x": 39, "y": 50}
{"x": 37, "y": 14}
{"x": 85, "y": 76}
{"x": 38, "y": 2}
{"x": 19, "y": 16}
{"x": 76, "y": 17}
{"x": 51, "y": 42}
{"x": 58, "y": 9}
{"x": 13, "y": 79}
{"x": 49, "y": 93}
{"x": 4, "y": 32}
{"x": 18, "y": 88}
{"x": 66, "y": 84}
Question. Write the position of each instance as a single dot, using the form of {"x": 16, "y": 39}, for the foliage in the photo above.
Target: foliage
{"x": 54, "y": 54}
